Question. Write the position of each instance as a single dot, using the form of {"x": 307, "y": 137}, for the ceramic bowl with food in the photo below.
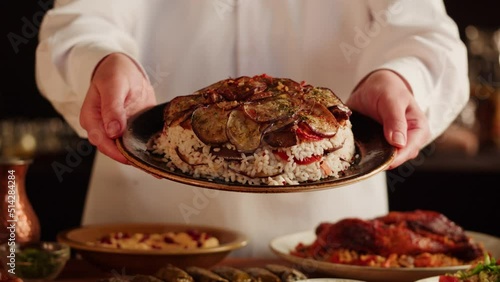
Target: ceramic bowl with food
{"x": 146, "y": 247}
{"x": 41, "y": 261}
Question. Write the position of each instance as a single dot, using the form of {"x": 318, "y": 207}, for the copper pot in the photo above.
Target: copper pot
{"x": 18, "y": 220}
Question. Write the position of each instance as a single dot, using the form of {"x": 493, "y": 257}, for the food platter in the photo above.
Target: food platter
{"x": 109, "y": 259}
{"x": 282, "y": 246}
{"x": 375, "y": 155}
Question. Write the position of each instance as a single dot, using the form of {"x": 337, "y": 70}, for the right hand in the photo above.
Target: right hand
{"x": 386, "y": 97}
{"x": 117, "y": 91}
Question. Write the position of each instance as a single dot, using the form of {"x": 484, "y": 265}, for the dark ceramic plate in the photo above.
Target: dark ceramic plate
{"x": 375, "y": 155}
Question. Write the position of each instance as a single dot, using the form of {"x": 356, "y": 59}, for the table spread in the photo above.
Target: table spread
{"x": 78, "y": 270}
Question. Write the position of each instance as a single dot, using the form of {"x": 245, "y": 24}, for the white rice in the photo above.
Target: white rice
{"x": 202, "y": 164}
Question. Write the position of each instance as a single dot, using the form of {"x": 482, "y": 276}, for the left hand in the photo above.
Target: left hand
{"x": 387, "y": 98}
{"x": 118, "y": 90}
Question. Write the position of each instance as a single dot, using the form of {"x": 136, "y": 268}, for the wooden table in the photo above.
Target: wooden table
{"x": 78, "y": 270}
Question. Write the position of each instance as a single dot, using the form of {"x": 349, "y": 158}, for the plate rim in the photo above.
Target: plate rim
{"x": 328, "y": 183}
{"x": 311, "y": 233}
{"x": 331, "y": 279}
{"x": 429, "y": 279}
{"x": 241, "y": 240}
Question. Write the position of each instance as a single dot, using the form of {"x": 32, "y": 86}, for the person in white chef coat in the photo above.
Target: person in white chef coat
{"x": 98, "y": 62}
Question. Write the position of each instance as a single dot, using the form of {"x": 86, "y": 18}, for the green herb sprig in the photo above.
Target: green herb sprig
{"x": 489, "y": 266}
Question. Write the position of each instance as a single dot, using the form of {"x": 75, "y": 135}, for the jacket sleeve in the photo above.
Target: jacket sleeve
{"x": 74, "y": 36}
{"x": 419, "y": 41}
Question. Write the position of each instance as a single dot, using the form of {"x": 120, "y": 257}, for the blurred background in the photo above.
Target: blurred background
{"x": 457, "y": 175}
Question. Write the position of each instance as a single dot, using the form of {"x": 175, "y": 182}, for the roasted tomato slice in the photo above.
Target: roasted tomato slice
{"x": 305, "y": 161}
{"x": 446, "y": 278}
{"x": 282, "y": 155}
{"x": 244, "y": 133}
{"x": 304, "y": 133}
{"x": 209, "y": 124}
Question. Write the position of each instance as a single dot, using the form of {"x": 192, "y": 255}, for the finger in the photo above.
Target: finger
{"x": 416, "y": 140}
{"x": 418, "y": 136}
{"x": 113, "y": 93}
{"x": 90, "y": 120}
{"x": 393, "y": 116}
{"x": 106, "y": 145}
{"x": 90, "y": 113}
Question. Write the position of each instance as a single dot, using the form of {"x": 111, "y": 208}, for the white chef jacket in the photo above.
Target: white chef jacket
{"x": 185, "y": 45}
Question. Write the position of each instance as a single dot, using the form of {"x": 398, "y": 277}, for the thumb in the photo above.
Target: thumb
{"x": 112, "y": 108}
{"x": 395, "y": 126}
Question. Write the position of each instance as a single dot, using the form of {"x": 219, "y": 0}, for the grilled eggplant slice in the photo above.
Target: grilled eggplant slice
{"x": 209, "y": 124}
{"x": 284, "y": 137}
{"x": 324, "y": 96}
{"x": 233, "y": 274}
{"x": 286, "y": 274}
{"x": 261, "y": 274}
{"x": 145, "y": 278}
{"x": 320, "y": 120}
{"x": 201, "y": 274}
{"x": 181, "y": 105}
{"x": 264, "y": 105}
{"x": 243, "y": 132}
{"x": 272, "y": 109}
{"x": 171, "y": 273}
